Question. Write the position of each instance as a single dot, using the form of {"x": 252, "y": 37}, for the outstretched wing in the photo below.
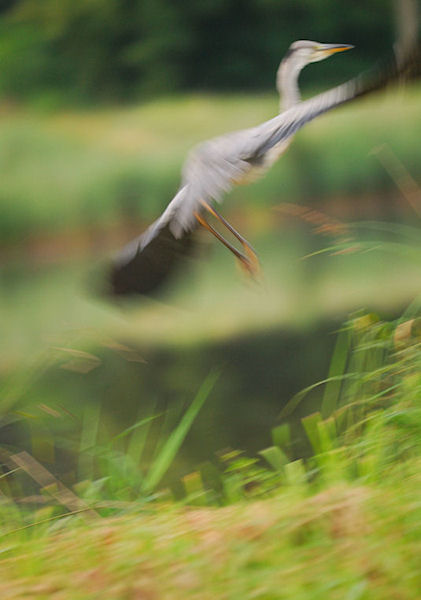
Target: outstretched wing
{"x": 286, "y": 124}
{"x": 216, "y": 165}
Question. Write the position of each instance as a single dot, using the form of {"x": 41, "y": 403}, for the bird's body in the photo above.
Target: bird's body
{"x": 215, "y": 166}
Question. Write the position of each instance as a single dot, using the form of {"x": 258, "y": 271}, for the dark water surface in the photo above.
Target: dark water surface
{"x": 259, "y": 374}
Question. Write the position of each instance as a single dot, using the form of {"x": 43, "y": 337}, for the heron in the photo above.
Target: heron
{"x": 215, "y": 166}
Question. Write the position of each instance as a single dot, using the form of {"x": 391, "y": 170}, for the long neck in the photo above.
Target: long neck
{"x": 287, "y": 84}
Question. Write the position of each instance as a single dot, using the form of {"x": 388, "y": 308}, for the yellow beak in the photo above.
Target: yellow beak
{"x": 332, "y": 48}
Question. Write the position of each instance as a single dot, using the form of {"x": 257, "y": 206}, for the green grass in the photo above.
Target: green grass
{"x": 344, "y": 522}
{"x": 348, "y": 541}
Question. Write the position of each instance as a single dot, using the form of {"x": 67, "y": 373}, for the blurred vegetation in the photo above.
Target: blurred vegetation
{"x": 123, "y": 413}
{"x": 341, "y": 521}
{"x": 107, "y": 413}
{"x": 107, "y": 50}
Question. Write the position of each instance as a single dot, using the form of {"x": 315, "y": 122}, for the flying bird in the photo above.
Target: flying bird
{"x": 215, "y": 166}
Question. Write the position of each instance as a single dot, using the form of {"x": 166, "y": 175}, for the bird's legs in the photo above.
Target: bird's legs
{"x": 248, "y": 260}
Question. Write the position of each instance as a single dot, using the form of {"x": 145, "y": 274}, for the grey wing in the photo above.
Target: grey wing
{"x": 139, "y": 243}
{"x": 288, "y": 123}
{"x": 215, "y": 166}
{"x": 210, "y": 171}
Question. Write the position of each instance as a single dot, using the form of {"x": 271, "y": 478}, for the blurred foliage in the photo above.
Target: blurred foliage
{"x": 102, "y": 50}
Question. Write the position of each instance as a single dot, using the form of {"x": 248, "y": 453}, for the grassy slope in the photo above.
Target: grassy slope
{"x": 345, "y": 542}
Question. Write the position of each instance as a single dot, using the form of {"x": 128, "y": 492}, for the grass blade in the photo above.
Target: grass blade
{"x": 336, "y": 370}
{"x": 176, "y": 438}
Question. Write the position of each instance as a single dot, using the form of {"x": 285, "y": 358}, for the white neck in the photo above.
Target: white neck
{"x": 287, "y": 84}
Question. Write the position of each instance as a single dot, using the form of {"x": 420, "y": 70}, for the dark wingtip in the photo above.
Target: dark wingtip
{"x": 150, "y": 269}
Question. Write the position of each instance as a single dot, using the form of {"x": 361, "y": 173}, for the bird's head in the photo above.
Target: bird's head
{"x": 306, "y": 51}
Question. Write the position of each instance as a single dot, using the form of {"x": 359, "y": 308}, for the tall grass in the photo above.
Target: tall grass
{"x": 373, "y": 383}
{"x": 110, "y": 479}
